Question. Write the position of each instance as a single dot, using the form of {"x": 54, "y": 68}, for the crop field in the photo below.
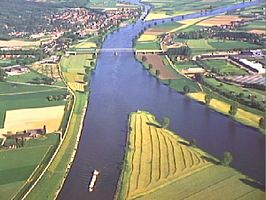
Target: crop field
{"x": 236, "y": 89}
{"x": 254, "y": 25}
{"x": 148, "y": 46}
{"x": 31, "y": 77}
{"x": 25, "y": 161}
{"x": 158, "y": 64}
{"x": 31, "y": 99}
{"x": 19, "y": 43}
{"x": 74, "y": 71}
{"x": 19, "y": 120}
{"x": 219, "y": 20}
{"x": 201, "y": 46}
{"x": 224, "y": 67}
{"x": 161, "y": 165}
{"x": 179, "y": 84}
{"x": 170, "y": 8}
{"x": 86, "y": 44}
{"x": 147, "y": 38}
{"x": 49, "y": 70}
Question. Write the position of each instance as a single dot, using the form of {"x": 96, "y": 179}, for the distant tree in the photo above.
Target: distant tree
{"x": 2, "y": 75}
{"x": 166, "y": 122}
{"x": 233, "y": 109}
{"x": 262, "y": 123}
{"x": 44, "y": 129}
{"x": 208, "y": 99}
{"x": 49, "y": 98}
{"x": 193, "y": 142}
{"x": 227, "y": 158}
{"x": 150, "y": 66}
{"x": 144, "y": 59}
{"x": 186, "y": 89}
{"x": 157, "y": 72}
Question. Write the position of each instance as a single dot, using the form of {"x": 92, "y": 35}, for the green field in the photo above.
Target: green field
{"x": 31, "y": 77}
{"x": 223, "y": 67}
{"x": 33, "y": 99}
{"x": 161, "y": 165}
{"x": 148, "y": 46}
{"x": 257, "y": 25}
{"x": 200, "y": 46}
{"x": 237, "y": 90}
{"x": 179, "y": 84}
{"x": 171, "y": 6}
{"x": 23, "y": 161}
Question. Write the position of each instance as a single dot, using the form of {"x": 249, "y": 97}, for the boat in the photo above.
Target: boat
{"x": 93, "y": 180}
{"x": 116, "y": 53}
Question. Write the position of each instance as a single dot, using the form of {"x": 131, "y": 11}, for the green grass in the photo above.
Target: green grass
{"x": 236, "y": 89}
{"x": 16, "y": 166}
{"x": 224, "y": 67}
{"x": 185, "y": 65}
{"x": 168, "y": 26}
{"x": 216, "y": 182}
{"x": 26, "y": 78}
{"x": 148, "y": 46}
{"x": 257, "y": 24}
{"x": 179, "y": 84}
{"x": 74, "y": 63}
{"x": 200, "y": 46}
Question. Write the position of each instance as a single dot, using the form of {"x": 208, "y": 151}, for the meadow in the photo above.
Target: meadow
{"x": 24, "y": 161}
{"x": 161, "y": 165}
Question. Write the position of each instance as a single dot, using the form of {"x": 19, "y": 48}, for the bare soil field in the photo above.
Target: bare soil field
{"x": 157, "y": 64}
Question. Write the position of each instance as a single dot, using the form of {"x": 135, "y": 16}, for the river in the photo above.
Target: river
{"x": 121, "y": 85}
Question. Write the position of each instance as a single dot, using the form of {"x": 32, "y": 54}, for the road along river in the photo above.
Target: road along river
{"x": 121, "y": 85}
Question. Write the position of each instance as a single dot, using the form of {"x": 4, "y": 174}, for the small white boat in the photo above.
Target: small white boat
{"x": 93, "y": 180}
{"x": 116, "y": 53}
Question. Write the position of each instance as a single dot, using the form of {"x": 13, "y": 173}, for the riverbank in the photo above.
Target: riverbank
{"x": 160, "y": 164}
{"x": 52, "y": 179}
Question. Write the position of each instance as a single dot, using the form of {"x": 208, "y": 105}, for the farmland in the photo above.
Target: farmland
{"x": 223, "y": 67}
{"x": 28, "y": 97}
{"x": 200, "y": 46}
{"x": 163, "y": 9}
{"x": 161, "y": 165}
{"x": 148, "y": 46}
{"x": 24, "y": 161}
{"x": 48, "y": 185}
{"x": 156, "y": 65}
{"x": 18, "y": 120}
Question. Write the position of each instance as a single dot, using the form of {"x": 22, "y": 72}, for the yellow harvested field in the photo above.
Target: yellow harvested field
{"x": 157, "y": 157}
{"x": 147, "y": 38}
{"x": 220, "y": 106}
{"x": 248, "y": 117}
{"x": 18, "y": 43}
{"x": 219, "y": 20}
{"x": 198, "y": 96}
{"x": 34, "y": 118}
{"x": 86, "y": 45}
{"x": 163, "y": 15}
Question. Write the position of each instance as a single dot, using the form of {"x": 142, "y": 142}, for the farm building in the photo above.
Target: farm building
{"x": 16, "y": 70}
